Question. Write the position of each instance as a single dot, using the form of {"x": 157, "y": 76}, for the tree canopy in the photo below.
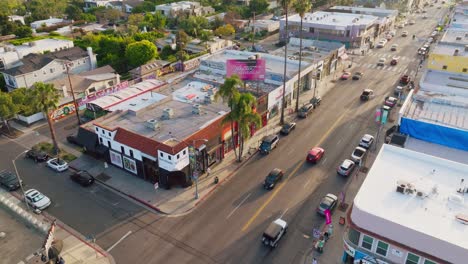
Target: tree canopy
{"x": 139, "y": 53}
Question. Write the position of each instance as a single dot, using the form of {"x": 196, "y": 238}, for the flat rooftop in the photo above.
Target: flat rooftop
{"x": 426, "y": 223}
{"x": 335, "y": 19}
{"x": 455, "y": 36}
{"x": 448, "y": 49}
{"x": 312, "y": 50}
{"x": 183, "y": 122}
{"x": 380, "y": 12}
{"x": 445, "y": 82}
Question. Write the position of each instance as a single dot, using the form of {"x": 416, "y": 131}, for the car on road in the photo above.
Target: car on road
{"x": 412, "y": 22}
{"x": 36, "y": 199}
{"x": 274, "y": 232}
{"x": 328, "y": 202}
{"x": 57, "y": 164}
{"x": 394, "y": 47}
{"x": 394, "y": 60}
{"x": 366, "y": 95}
{"x": 381, "y": 62}
{"x": 315, "y": 154}
{"x": 345, "y": 75}
{"x": 315, "y": 101}
{"x": 422, "y": 51}
{"x": 273, "y": 178}
{"x": 424, "y": 17}
{"x": 390, "y": 101}
{"x": 83, "y": 178}
{"x": 358, "y": 154}
{"x": 346, "y": 167}
{"x": 36, "y": 155}
{"x": 287, "y": 128}
{"x": 439, "y": 7}
{"x": 405, "y": 79}
{"x": 430, "y": 40}
{"x": 382, "y": 43}
{"x": 357, "y": 75}
{"x": 366, "y": 141}
{"x": 9, "y": 180}
{"x": 398, "y": 90}
{"x": 305, "y": 110}
{"x": 268, "y": 144}
{"x": 388, "y": 37}
{"x": 404, "y": 34}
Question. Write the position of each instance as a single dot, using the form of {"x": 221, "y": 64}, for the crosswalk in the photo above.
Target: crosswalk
{"x": 401, "y": 67}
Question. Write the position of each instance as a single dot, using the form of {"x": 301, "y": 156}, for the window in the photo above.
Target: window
{"x": 444, "y": 67}
{"x": 412, "y": 259}
{"x": 465, "y": 70}
{"x": 109, "y": 134}
{"x": 169, "y": 157}
{"x": 178, "y": 156}
{"x": 382, "y": 248}
{"x": 353, "y": 236}
{"x": 97, "y": 129}
{"x": 122, "y": 150}
{"x": 103, "y": 132}
{"x": 35, "y": 74}
{"x": 131, "y": 153}
{"x": 162, "y": 155}
{"x": 109, "y": 144}
{"x": 429, "y": 262}
{"x": 110, "y": 83}
{"x": 367, "y": 242}
{"x": 184, "y": 152}
{"x": 100, "y": 140}
{"x": 44, "y": 72}
{"x": 51, "y": 70}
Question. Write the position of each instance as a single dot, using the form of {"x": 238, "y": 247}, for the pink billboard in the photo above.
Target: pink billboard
{"x": 247, "y": 70}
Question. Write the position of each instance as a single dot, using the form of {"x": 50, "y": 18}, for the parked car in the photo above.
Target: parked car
{"x": 345, "y": 75}
{"x": 258, "y": 48}
{"x": 422, "y": 51}
{"x": 394, "y": 47}
{"x": 398, "y": 90}
{"x": 412, "y": 22}
{"x": 358, "y": 154}
{"x": 36, "y": 199}
{"x": 275, "y": 231}
{"x": 357, "y": 75}
{"x": 315, "y": 154}
{"x": 405, "y": 79}
{"x": 305, "y": 110}
{"x": 315, "y": 101}
{"x": 9, "y": 180}
{"x": 58, "y": 165}
{"x": 273, "y": 178}
{"x": 268, "y": 144}
{"x": 37, "y": 156}
{"x": 366, "y": 141}
{"x": 394, "y": 60}
{"x": 366, "y": 95}
{"x": 381, "y": 62}
{"x": 346, "y": 167}
{"x": 287, "y": 128}
{"x": 382, "y": 43}
{"x": 404, "y": 33}
{"x": 328, "y": 202}
{"x": 390, "y": 101}
{"x": 83, "y": 178}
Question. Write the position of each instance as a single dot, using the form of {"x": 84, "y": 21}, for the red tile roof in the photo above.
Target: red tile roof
{"x": 136, "y": 141}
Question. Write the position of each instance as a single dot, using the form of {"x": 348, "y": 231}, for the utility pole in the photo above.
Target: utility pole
{"x": 73, "y": 92}
{"x": 253, "y": 31}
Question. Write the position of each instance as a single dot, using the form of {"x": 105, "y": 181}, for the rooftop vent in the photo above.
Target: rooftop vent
{"x": 209, "y": 98}
{"x": 168, "y": 113}
{"x": 405, "y": 187}
{"x": 152, "y": 124}
{"x": 458, "y": 38}
{"x": 455, "y": 53}
{"x": 197, "y": 109}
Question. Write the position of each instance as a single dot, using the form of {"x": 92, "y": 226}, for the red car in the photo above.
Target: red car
{"x": 405, "y": 79}
{"x": 315, "y": 154}
{"x": 345, "y": 75}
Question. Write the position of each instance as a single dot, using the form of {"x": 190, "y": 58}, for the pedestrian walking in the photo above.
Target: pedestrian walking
{"x": 314, "y": 261}
{"x": 330, "y": 230}
{"x": 208, "y": 171}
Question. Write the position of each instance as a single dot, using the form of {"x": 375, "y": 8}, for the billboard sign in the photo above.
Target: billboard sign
{"x": 247, "y": 70}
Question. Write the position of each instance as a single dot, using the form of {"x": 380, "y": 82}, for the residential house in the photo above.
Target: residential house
{"x": 46, "y": 23}
{"x": 151, "y": 70}
{"x": 191, "y": 8}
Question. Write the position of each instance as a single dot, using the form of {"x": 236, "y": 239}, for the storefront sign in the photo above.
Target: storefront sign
{"x": 63, "y": 111}
{"x": 247, "y": 70}
{"x": 129, "y": 164}
{"x": 116, "y": 158}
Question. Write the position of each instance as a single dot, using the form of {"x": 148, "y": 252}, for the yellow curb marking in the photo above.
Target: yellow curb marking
{"x": 282, "y": 184}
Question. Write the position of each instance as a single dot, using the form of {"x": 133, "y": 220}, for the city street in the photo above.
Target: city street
{"x": 227, "y": 227}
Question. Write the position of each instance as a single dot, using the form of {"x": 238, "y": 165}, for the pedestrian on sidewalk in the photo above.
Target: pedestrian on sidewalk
{"x": 208, "y": 172}
{"x": 314, "y": 261}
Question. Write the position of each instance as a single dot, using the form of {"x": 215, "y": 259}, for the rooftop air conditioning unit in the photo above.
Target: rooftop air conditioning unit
{"x": 455, "y": 53}
{"x": 209, "y": 98}
{"x": 458, "y": 38}
{"x": 197, "y": 109}
{"x": 152, "y": 124}
{"x": 168, "y": 113}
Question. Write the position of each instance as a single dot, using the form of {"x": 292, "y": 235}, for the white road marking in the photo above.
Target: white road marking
{"x": 284, "y": 212}
{"x": 385, "y": 67}
{"x": 120, "y": 240}
{"x": 305, "y": 236}
{"x": 290, "y": 151}
{"x": 412, "y": 73}
{"x": 307, "y": 183}
{"x": 404, "y": 72}
{"x": 246, "y": 197}
{"x": 324, "y": 161}
{"x": 339, "y": 141}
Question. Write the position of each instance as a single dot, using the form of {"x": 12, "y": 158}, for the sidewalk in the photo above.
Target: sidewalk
{"x": 75, "y": 248}
{"x": 179, "y": 201}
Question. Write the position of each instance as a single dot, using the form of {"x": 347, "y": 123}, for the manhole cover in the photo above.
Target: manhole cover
{"x": 103, "y": 177}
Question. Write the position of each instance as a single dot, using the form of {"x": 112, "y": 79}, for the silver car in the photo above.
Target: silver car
{"x": 36, "y": 199}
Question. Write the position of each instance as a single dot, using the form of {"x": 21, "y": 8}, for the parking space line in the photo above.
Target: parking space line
{"x": 243, "y": 200}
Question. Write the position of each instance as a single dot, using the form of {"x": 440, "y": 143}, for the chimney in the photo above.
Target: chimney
{"x": 92, "y": 58}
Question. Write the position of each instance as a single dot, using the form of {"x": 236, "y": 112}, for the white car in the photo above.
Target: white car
{"x": 366, "y": 141}
{"x": 394, "y": 47}
{"x": 57, "y": 164}
{"x": 358, "y": 154}
{"x": 381, "y": 62}
{"x": 404, "y": 34}
{"x": 36, "y": 199}
{"x": 412, "y": 22}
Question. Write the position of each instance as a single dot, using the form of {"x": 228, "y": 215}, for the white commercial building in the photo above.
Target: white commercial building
{"x": 412, "y": 208}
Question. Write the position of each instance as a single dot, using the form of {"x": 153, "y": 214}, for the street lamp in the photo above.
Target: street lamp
{"x": 18, "y": 176}
{"x": 68, "y": 65}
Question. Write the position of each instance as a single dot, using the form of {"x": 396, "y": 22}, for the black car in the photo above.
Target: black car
{"x": 9, "y": 180}
{"x": 315, "y": 101}
{"x": 37, "y": 156}
{"x": 275, "y": 176}
{"x": 83, "y": 178}
{"x": 287, "y": 128}
{"x": 357, "y": 76}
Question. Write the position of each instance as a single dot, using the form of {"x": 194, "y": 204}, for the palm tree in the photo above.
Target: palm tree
{"x": 246, "y": 117}
{"x": 229, "y": 93}
{"x": 285, "y": 4}
{"x": 301, "y": 8}
{"x": 46, "y": 100}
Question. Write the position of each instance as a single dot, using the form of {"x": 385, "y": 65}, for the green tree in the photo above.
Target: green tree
{"x": 285, "y": 5}
{"x": 225, "y": 31}
{"x": 112, "y": 14}
{"x": 23, "y": 32}
{"x": 166, "y": 52}
{"x": 8, "y": 109}
{"x": 46, "y": 101}
{"x": 206, "y": 35}
{"x": 216, "y": 23}
{"x": 3, "y": 87}
{"x": 145, "y": 6}
{"x": 10, "y": 7}
{"x": 135, "y": 19}
{"x": 193, "y": 25}
{"x": 24, "y": 99}
{"x": 301, "y": 7}
{"x": 140, "y": 52}
{"x": 74, "y": 12}
{"x": 182, "y": 39}
{"x": 246, "y": 117}
{"x": 43, "y": 9}
{"x": 6, "y": 26}
{"x": 229, "y": 93}
{"x": 259, "y": 7}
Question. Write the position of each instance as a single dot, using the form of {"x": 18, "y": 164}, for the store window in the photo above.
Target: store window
{"x": 429, "y": 262}
{"x": 367, "y": 242}
{"x": 444, "y": 67}
{"x": 412, "y": 259}
{"x": 382, "y": 248}
{"x": 353, "y": 236}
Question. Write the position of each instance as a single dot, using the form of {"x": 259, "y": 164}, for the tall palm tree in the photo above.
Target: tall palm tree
{"x": 229, "y": 93}
{"x": 46, "y": 100}
{"x": 301, "y": 7}
{"x": 246, "y": 117}
{"x": 285, "y": 4}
